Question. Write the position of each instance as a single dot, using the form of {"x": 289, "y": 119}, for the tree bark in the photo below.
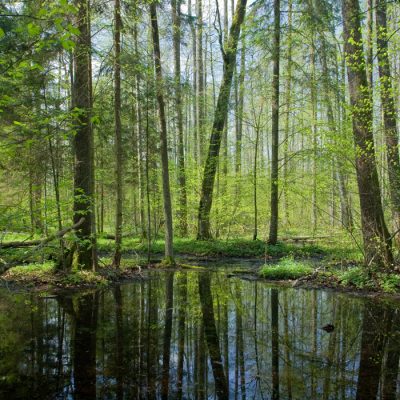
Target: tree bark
{"x": 200, "y": 82}
{"x": 218, "y": 124}
{"x": 118, "y": 140}
{"x": 82, "y": 140}
{"x": 273, "y": 229}
{"x": 182, "y": 214}
{"x": 288, "y": 95}
{"x": 169, "y": 253}
{"x": 377, "y": 242}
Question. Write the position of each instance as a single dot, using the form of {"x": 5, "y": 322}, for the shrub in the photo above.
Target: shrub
{"x": 287, "y": 268}
{"x": 356, "y": 277}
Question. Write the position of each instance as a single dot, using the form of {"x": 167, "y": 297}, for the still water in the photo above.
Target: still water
{"x": 198, "y": 335}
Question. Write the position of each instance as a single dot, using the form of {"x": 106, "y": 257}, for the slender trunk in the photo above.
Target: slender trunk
{"x": 200, "y": 82}
{"x": 273, "y": 229}
{"x": 169, "y": 253}
{"x": 287, "y": 115}
{"x": 118, "y": 139}
{"x": 377, "y": 242}
{"x": 194, "y": 52}
{"x": 182, "y": 215}
{"x": 239, "y": 117}
{"x": 255, "y": 230}
{"x": 313, "y": 89}
{"x": 219, "y": 123}
{"x": 370, "y": 47}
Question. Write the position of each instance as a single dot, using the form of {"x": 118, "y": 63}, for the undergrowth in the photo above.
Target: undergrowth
{"x": 287, "y": 268}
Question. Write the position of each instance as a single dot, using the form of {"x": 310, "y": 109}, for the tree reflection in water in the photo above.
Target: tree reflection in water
{"x": 196, "y": 335}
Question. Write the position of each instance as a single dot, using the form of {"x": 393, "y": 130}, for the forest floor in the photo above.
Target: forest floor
{"x": 323, "y": 264}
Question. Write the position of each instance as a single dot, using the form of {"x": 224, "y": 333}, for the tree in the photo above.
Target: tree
{"x": 220, "y": 113}
{"x": 118, "y": 139}
{"x": 83, "y": 140}
{"x": 377, "y": 242}
{"x": 273, "y": 228}
{"x": 182, "y": 215}
{"x": 169, "y": 252}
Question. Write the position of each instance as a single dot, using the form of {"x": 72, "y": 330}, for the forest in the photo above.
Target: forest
{"x": 205, "y": 121}
{"x": 203, "y": 179}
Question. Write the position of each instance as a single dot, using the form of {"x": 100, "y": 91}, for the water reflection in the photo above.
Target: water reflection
{"x": 198, "y": 336}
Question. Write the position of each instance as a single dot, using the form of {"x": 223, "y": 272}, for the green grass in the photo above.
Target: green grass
{"x": 32, "y": 270}
{"x": 287, "y": 268}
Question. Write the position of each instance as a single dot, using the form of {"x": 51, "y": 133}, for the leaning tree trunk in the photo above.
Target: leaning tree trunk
{"x": 182, "y": 215}
{"x": 389, "y": 112}
{"x": 169, "y": 254}
{"x": 118, "y": 140}
{"x": 273, "y": 228}
{"x": 377, "y": 242}
{"x": 82, "y": 140}
{"x": 220, "y": 114}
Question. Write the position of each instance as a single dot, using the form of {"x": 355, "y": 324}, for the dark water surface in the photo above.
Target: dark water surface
{"x": 196, "y": 335}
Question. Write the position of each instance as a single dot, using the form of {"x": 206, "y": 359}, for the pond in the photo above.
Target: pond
{"x": 198, "y": 335}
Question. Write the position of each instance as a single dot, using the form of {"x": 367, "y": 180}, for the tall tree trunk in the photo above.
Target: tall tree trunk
{"x": 288, "y": 92}
{"x": 377, "y": 242}
{"x": 370, "y": 47}
{"x": 194, "y": 99}
{"x": 83, "y": 140}
{"x": 200, "y": 82}
{"x": 273, "y": 228}
{"x": 218, "y": 124}
{"x": 182, "y": 214}
{"x": 389, "y": 112}
{"x": 313, "y": 90}
{"x": 239, "y": 116}
{"x": 118, "y": 140}
{"x": 169, "y": 253}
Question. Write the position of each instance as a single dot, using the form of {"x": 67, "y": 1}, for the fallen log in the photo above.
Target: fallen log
{"x": 42, "y": 242}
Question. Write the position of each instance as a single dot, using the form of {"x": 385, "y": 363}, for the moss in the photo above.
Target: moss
{"x": 287, "y": 268}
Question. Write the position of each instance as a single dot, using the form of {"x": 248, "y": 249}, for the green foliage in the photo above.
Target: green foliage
{"x": 356, "y": 277}
{"x": 32, "y": 270}
{"x": 361, "y": 278}
{"x": 78, "y": 278}
{"x": 287, "y": 268}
